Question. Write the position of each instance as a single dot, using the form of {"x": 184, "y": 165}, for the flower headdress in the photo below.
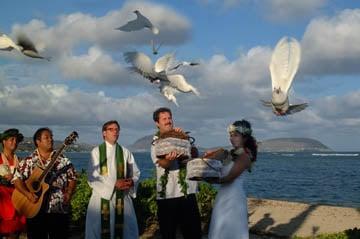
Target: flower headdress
{"x": 239, "y": 128}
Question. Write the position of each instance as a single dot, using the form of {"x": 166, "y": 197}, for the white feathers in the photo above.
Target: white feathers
{"x": 7, "y": 44}
{"x": 170, "y": 84}
{"x": 283, "y": 66}
{"x": 284, "y": 63}
{"x": 139, "y": 23}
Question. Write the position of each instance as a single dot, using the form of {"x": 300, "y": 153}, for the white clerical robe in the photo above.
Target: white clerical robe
{"x": 103, "y": 187}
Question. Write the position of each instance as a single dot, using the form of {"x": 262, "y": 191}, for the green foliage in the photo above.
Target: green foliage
{"x": 182, "y": 181}
{"x": 348, "y": 234}
{"x": 205, "y": 198}
{"x": 145, "y": 203}
{"x": 80, "y": 199}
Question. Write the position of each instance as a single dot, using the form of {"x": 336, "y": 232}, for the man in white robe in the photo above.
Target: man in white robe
{"x": 105, "y": 184}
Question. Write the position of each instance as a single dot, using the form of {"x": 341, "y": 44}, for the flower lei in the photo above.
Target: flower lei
{"x": 165, "y": 178}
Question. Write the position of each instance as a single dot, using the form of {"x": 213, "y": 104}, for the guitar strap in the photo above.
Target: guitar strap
{"x": 105, "y": 204}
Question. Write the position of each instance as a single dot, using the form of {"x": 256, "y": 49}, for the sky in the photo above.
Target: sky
{"x": 87, "y": 81}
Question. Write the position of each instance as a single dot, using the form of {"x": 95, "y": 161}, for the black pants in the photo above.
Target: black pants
{"x": 48, "y": 226}
{"x": 181, "y": 212}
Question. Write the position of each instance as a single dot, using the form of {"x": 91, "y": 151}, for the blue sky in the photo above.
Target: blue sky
{"x": 87, "y": 81}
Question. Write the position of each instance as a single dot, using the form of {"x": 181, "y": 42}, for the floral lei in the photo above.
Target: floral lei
{"x": 165, "y": 178}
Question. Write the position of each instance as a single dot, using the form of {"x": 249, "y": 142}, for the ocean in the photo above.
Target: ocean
{"x": 323, "y": 178}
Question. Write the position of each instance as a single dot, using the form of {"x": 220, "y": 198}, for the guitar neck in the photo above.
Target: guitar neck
{"x": 52, "y": 162}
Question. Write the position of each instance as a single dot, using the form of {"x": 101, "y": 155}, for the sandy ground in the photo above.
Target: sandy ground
{"x": 272, "y": 219}
{"x": 282, "y": 219}
{"x": 288, "y": 219}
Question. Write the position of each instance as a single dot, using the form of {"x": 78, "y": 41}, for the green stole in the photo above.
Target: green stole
{"x": 105, "y": 204}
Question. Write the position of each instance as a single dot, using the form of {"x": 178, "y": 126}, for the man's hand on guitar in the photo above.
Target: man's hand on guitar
{"x": 32, "y": 197}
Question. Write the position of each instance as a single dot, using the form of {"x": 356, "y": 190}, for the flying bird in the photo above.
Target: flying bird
{"x": 284, "y": 64}
{"x": 28, "y": 48}
{"x": 7, "y": 44}
{"x": 139, "y": 23}
{"x": 169, "y": 84}
{"x": 23, "y": 45}
{"x": 184, "y": 63}
{"x": 155, "y": 49}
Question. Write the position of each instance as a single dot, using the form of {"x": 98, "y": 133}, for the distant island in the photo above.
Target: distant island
{"x": 143, "y": 145}
{"x": 269, "y": 145}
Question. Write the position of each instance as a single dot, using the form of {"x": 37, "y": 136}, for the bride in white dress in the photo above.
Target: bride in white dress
{"x": 229, "y": 219}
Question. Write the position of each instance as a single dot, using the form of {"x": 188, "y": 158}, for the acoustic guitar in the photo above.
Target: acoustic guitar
{"x": 36, "y": 184}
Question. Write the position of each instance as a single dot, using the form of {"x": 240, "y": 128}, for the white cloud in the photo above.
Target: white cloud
{"x": 58, "y": 105}
{"x": 95, "y": 66}
{"x": 79, "y": 28}
{"x": 330, "y": 44}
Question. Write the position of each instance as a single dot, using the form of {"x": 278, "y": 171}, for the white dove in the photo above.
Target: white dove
{"x": 139, "y": 23}
{"x": 184, "y": 63}
{"x": 284, "y": 64}
{"x": 158, "y": 73}
{"x": 7, "y": 44}
{"x": 24, "y": 45}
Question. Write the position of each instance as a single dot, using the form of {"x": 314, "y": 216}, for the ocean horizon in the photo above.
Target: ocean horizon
{"x": 329, "y": 178}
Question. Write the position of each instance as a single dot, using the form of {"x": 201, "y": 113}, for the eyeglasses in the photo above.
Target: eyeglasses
{"x": 113, "y": 129}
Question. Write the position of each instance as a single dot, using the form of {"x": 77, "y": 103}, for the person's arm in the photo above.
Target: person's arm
{"x": 71, "y": 186}
{"x": 22, "y": 172}
{"x": 69, "y": 191}
{"x": 167, "y": 160}
{"x": 240, "y": 165}
{"x": 20, "y": 186}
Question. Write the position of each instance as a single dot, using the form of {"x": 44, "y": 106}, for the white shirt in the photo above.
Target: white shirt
{"x": 173, "y": 188}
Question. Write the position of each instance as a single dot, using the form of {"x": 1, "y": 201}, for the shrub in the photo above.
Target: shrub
{"x": 145, "y": 203}
{"x": 205, "y": 198}
{"x": 80, "y": 200}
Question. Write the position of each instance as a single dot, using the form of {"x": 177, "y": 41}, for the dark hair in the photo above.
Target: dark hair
{"x": 249, "y": 140}
{"x": 160, "y": 110}
{"x": 38, "y": 133}
{"x": 11, "y": 133}
{"x": 106, "y": 124}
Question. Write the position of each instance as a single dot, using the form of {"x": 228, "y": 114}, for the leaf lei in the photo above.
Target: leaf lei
{"x": 163, "y": 182}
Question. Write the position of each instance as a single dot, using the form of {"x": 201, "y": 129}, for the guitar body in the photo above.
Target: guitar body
{"x": 22, "y": 203}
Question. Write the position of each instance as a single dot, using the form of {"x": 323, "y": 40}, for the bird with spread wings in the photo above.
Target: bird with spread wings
{"x": 160, "y": 73}
{"x": 284, "y": 65}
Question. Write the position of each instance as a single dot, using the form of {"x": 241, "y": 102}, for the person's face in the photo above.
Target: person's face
{"x": 10, "y": 143}
{"x": 165, "y": 122}
{"x": 236, "y": 139}
{"x": 46, "y": 141}
{"x": 111, "y": 134}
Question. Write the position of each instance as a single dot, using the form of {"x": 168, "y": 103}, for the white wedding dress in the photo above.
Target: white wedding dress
{"x": 229, "y": 219}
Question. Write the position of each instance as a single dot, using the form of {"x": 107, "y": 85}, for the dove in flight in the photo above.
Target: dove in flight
{"x": 28, "y": 48}
{"x": 139, "y": 23}
{"x": 155, "y": 49}
{"x": 7, "y": 44}
{"x": 169, "y": 84}
{"x": 23, "y": 45}
{"x": 284, "y": 64}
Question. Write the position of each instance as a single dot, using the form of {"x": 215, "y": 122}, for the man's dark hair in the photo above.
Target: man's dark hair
{"x": 106, "y": 124}
{"x": 38, "y": 133}
{"x": 160, "y": 110}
